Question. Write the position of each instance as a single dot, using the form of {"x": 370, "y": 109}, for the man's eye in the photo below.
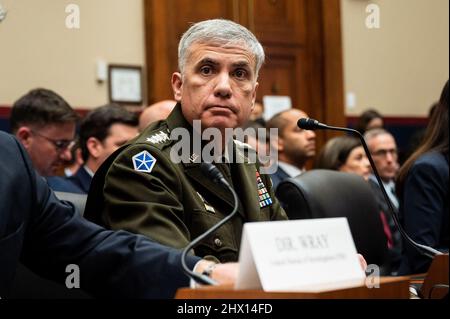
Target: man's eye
{"x": 206, "y": 70}
{"x": 240, "y": 74}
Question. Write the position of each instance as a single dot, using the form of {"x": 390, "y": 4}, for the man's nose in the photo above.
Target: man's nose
{"x": 389, "y": 157}
{"x": 366, "y": 162}
{"x": 223, "y": 86}
{"x": 311, "y": 135}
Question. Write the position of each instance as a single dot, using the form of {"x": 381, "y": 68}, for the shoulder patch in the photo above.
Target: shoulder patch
{"x": 143, "y": 162}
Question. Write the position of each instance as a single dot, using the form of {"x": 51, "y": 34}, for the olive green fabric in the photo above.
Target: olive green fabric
{"x": 175, "y": 203}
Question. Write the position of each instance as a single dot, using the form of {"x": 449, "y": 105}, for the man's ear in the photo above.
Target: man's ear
{"x": 25, "y": 136}
{"x": 177, "y": 84}
{"x": 280, "y": 144}
{"x": 254, "y": 95}
{"x": 93, "y": 145}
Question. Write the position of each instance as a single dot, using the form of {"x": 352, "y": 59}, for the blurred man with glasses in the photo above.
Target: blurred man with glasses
{"x": 45, "y": 125}
{"x": 383, "y": 148}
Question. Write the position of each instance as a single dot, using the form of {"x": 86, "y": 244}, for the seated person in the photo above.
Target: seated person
{"x": 45, "y": 125}
{"x": 383, "y": 148}
{"x": 147, "y": 188}
{"x": 295, "y": 146}
{"x": 344, "y": 154}
{"x": 369, "y": 120}
{"x": 102, "y": 132}
{"x": 47, "y": 235}
{"x": 422, "y": 186}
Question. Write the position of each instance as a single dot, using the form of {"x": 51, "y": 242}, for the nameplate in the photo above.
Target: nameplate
{"x": 298, "y": 255}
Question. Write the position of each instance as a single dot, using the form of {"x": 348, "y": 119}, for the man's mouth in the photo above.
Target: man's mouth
{"x": 221, "y": 108}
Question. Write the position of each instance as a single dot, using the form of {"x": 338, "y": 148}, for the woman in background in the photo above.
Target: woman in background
{"x": 345, "y": 154}
{"x": 422, "y": 187}
{"x": 369, "y": 120}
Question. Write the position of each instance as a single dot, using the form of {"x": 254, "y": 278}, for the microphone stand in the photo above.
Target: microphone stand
{"x": 310, "y": 124}
{"x": 212, "y": 172}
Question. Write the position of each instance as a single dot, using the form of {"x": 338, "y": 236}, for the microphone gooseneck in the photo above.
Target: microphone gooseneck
{"x": 213, "y": 173}
{"x": 311, "y": 124}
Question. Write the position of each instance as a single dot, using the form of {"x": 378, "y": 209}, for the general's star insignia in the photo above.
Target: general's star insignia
{"x": 159, "y": 137}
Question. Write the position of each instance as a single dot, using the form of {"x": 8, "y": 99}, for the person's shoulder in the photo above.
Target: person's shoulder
{"x": 432, "y": 157}
{"x": 431, "y": 160}
{"x": 11, "y": 149}
{"x": 156, "y": 135}
{"x": 432, "y": 166}
{"x": 62, "y": 184}
{"x": 7, "y": 140}
{"x": 146, "y": 152}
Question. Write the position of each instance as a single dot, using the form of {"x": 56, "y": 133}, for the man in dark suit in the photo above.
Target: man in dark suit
{"x": 102, "y": 131}
{"x": 45, "y": 125}
{"x": 295, "y": 146}
{"x": 47, "y": 235}
{"x": 383, "y": 148}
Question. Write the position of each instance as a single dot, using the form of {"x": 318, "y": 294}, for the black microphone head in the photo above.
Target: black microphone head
{"x": 211, "y": 171}
{"x": 308, "y": 124}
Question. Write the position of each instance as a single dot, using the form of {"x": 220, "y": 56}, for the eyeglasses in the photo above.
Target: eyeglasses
{"x": 60, "y": 145}
{"x": 384, "y": 153}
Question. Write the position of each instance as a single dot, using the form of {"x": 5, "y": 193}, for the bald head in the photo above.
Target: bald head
{"x": 295, "y": 146}
{"x": 155, "y": 112}
{"x": 282, "y": 119}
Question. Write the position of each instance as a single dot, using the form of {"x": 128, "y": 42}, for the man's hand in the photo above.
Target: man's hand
{"x": 224, "y": 274}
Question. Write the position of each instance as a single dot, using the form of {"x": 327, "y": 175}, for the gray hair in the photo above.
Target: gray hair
{"x": 222, "y": 32}
{"x": 371, "y": 134}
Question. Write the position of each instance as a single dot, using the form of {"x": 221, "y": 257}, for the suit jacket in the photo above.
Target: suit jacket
{"x": 279, "y": 176}
{"x": 141, "y": 189}
{"x": 395, "y": 251}
{"x": 424, "y": 209}
{"x": 81, "y": 179}
{"x": 46, "y": 235}
{"x": 62, "y": 184}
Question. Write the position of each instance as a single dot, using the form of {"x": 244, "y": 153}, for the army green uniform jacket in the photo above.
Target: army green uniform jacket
{"x": 141, "y": 190}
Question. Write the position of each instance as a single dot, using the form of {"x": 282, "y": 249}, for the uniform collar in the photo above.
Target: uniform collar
{"x": 176, "y": 119}
{"x": 245, "y": 172}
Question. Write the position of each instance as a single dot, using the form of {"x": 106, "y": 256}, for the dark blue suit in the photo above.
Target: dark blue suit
{"x": 46, "y": 235}
{"x": 424, "y": 209}
{"x": 62, "y": 184}
{"x": 81, "y": 179}
{"x": 279, "y": 176}
{"x": 395, "y": 251}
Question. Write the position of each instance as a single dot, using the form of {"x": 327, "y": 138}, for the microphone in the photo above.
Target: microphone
{"x": 311, "y": 124}
{"x": 213, "y": 173}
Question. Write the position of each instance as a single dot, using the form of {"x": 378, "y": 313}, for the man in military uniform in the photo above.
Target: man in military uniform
{"x": 144, "y": 189}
